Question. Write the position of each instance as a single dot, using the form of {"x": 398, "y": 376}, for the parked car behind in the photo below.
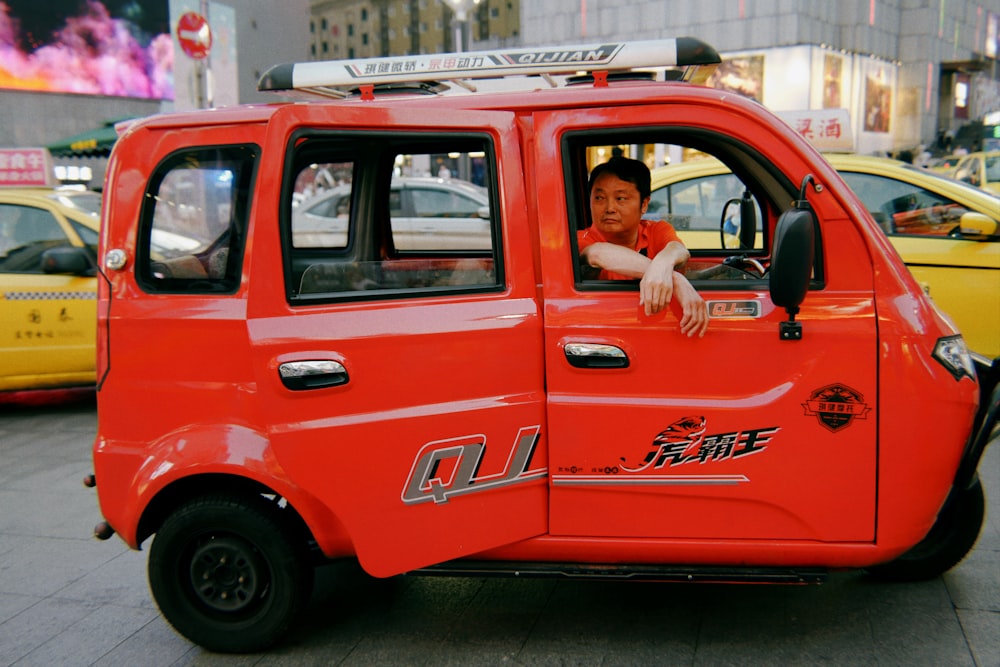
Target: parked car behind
{"x": 946, "y": 231}
{"x": 981, "y": 169}
{"x": 48, "y": 288}
{"x": 420, "y": 208}
{"x": 943, "y": 165}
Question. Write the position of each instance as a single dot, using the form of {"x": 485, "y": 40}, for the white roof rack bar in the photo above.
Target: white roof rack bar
{"x": 538, "y": 61}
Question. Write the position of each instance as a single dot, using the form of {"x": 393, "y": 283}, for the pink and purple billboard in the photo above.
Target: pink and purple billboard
{"x": 119, "y": 48}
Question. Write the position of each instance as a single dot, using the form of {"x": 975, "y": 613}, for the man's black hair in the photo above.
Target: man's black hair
{"x": 632, "y": 171}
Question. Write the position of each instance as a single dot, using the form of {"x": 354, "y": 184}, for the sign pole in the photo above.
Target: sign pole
{"x": 207, "y": 61}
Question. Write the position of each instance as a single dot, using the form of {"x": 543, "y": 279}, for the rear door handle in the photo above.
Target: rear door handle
{"x": 595, "y": 355}
{"x": 312, "y": 374}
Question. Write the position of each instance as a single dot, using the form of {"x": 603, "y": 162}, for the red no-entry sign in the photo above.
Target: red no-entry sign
{"x": 194, "y": 35}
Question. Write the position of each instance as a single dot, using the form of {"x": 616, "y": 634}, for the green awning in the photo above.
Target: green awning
{"x": 93, "y": 143}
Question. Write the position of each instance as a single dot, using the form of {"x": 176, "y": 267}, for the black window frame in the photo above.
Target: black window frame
{"x": 247, "y": 155}
{"x": 374, "y": 155}
{"x": 724, "y": 147}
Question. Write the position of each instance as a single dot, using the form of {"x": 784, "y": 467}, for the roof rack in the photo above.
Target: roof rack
{"x": 340, "y": 78}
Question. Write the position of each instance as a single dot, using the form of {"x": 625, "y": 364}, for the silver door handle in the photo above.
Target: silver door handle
{"x": 595, "y": 355}
{"x": 312, "y": 374}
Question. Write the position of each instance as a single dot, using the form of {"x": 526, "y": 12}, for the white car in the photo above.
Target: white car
{"x": 423, "y": 213}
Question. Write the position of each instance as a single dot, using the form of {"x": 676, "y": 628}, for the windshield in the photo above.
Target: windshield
{"x": 85, "y": 202}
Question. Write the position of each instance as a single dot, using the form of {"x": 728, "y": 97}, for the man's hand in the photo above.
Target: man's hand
{"x": 657, "y": 285}
{"x": 694, "y": 317}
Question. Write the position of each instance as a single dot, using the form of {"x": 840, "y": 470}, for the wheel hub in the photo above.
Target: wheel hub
{"x": 225, "y": 574}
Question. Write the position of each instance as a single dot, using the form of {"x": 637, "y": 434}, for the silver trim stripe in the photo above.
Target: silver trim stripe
{"x": 647, "y": 480}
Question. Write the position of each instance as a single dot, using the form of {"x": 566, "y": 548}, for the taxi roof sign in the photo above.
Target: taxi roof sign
{"x": 26, "y": 167}
{"x": 337, "y": 78}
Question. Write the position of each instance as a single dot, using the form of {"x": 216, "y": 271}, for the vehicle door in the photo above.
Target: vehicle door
{"x": 737, "y": 435}
{"x": 50, "y": 319}
{"x": 404, "y": 385}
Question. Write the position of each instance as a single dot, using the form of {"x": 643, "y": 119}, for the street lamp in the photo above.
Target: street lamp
{"x": 461, "y": 10}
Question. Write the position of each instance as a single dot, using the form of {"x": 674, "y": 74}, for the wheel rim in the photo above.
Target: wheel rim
{"x": 227, "y": 574}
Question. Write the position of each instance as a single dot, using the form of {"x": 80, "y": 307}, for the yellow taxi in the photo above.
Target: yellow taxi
{"x": 981, "y": 169}
{"x": 48, "y": 289}
{"x": 943, "y": 165}
{"x": 946, "y": 231}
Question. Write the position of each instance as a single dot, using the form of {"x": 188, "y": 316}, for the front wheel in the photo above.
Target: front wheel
{"x": 228, "y": 573}
{"x": 951, "y": 537}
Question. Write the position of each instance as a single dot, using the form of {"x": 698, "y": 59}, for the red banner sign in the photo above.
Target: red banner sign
{"x": 26, "y": 167}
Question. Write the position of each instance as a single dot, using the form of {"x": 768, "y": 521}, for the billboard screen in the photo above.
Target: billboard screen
{"x": 118, "y": 48}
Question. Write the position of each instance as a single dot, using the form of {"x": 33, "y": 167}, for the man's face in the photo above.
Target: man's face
{"x": 615, "y": 208}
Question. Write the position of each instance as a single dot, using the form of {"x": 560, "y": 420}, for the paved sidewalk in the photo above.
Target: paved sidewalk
{"x": 68, "y": 599}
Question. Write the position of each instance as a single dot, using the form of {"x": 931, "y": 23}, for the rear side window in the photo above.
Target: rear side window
{"x": 194, "y": 220}
{"x": 378, "y": 216}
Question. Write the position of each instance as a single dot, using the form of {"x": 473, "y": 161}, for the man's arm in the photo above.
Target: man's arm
{"x": 616, "y": 259}
{"x": 627, "y": 262}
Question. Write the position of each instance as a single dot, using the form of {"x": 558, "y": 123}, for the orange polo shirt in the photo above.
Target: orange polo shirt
{"x": 654, "y": 235}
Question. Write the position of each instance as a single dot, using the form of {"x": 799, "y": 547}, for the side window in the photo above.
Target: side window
{"x": 699, "y": 204}
{"x": 321, "y": 205}
{"x": 402, "y": 217}
{"x": 194, "y": 220}
{"x": 25, "y": 233}
{"x": 89, "y": 237}
{"x": 902, "y": 208}
{"x": 717, "y": 197}
{"x": 993, "y": 168}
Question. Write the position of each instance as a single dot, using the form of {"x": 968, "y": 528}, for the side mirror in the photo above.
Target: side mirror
{"x": 740, "y": 236}
{"x": 67, "y": 259}
{"x": 791, "y": 269}
{"x": 976, "y": 226}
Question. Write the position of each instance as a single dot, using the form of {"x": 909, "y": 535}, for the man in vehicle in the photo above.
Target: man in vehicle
{"x": 624, "y": 246}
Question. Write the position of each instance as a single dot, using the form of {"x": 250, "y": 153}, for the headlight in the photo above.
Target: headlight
{"x": 954, "y": 355}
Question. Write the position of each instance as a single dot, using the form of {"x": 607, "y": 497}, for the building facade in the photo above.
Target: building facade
{"x": 907, "y": 73}
{"x": 343, "y": 29}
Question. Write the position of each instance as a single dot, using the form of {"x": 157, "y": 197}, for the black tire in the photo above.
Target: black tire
{"x": 950, "y": 539}
{"x": 228, "y": 573}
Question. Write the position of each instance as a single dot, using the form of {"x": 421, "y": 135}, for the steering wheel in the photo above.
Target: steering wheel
{"x": 748, "y": 265}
